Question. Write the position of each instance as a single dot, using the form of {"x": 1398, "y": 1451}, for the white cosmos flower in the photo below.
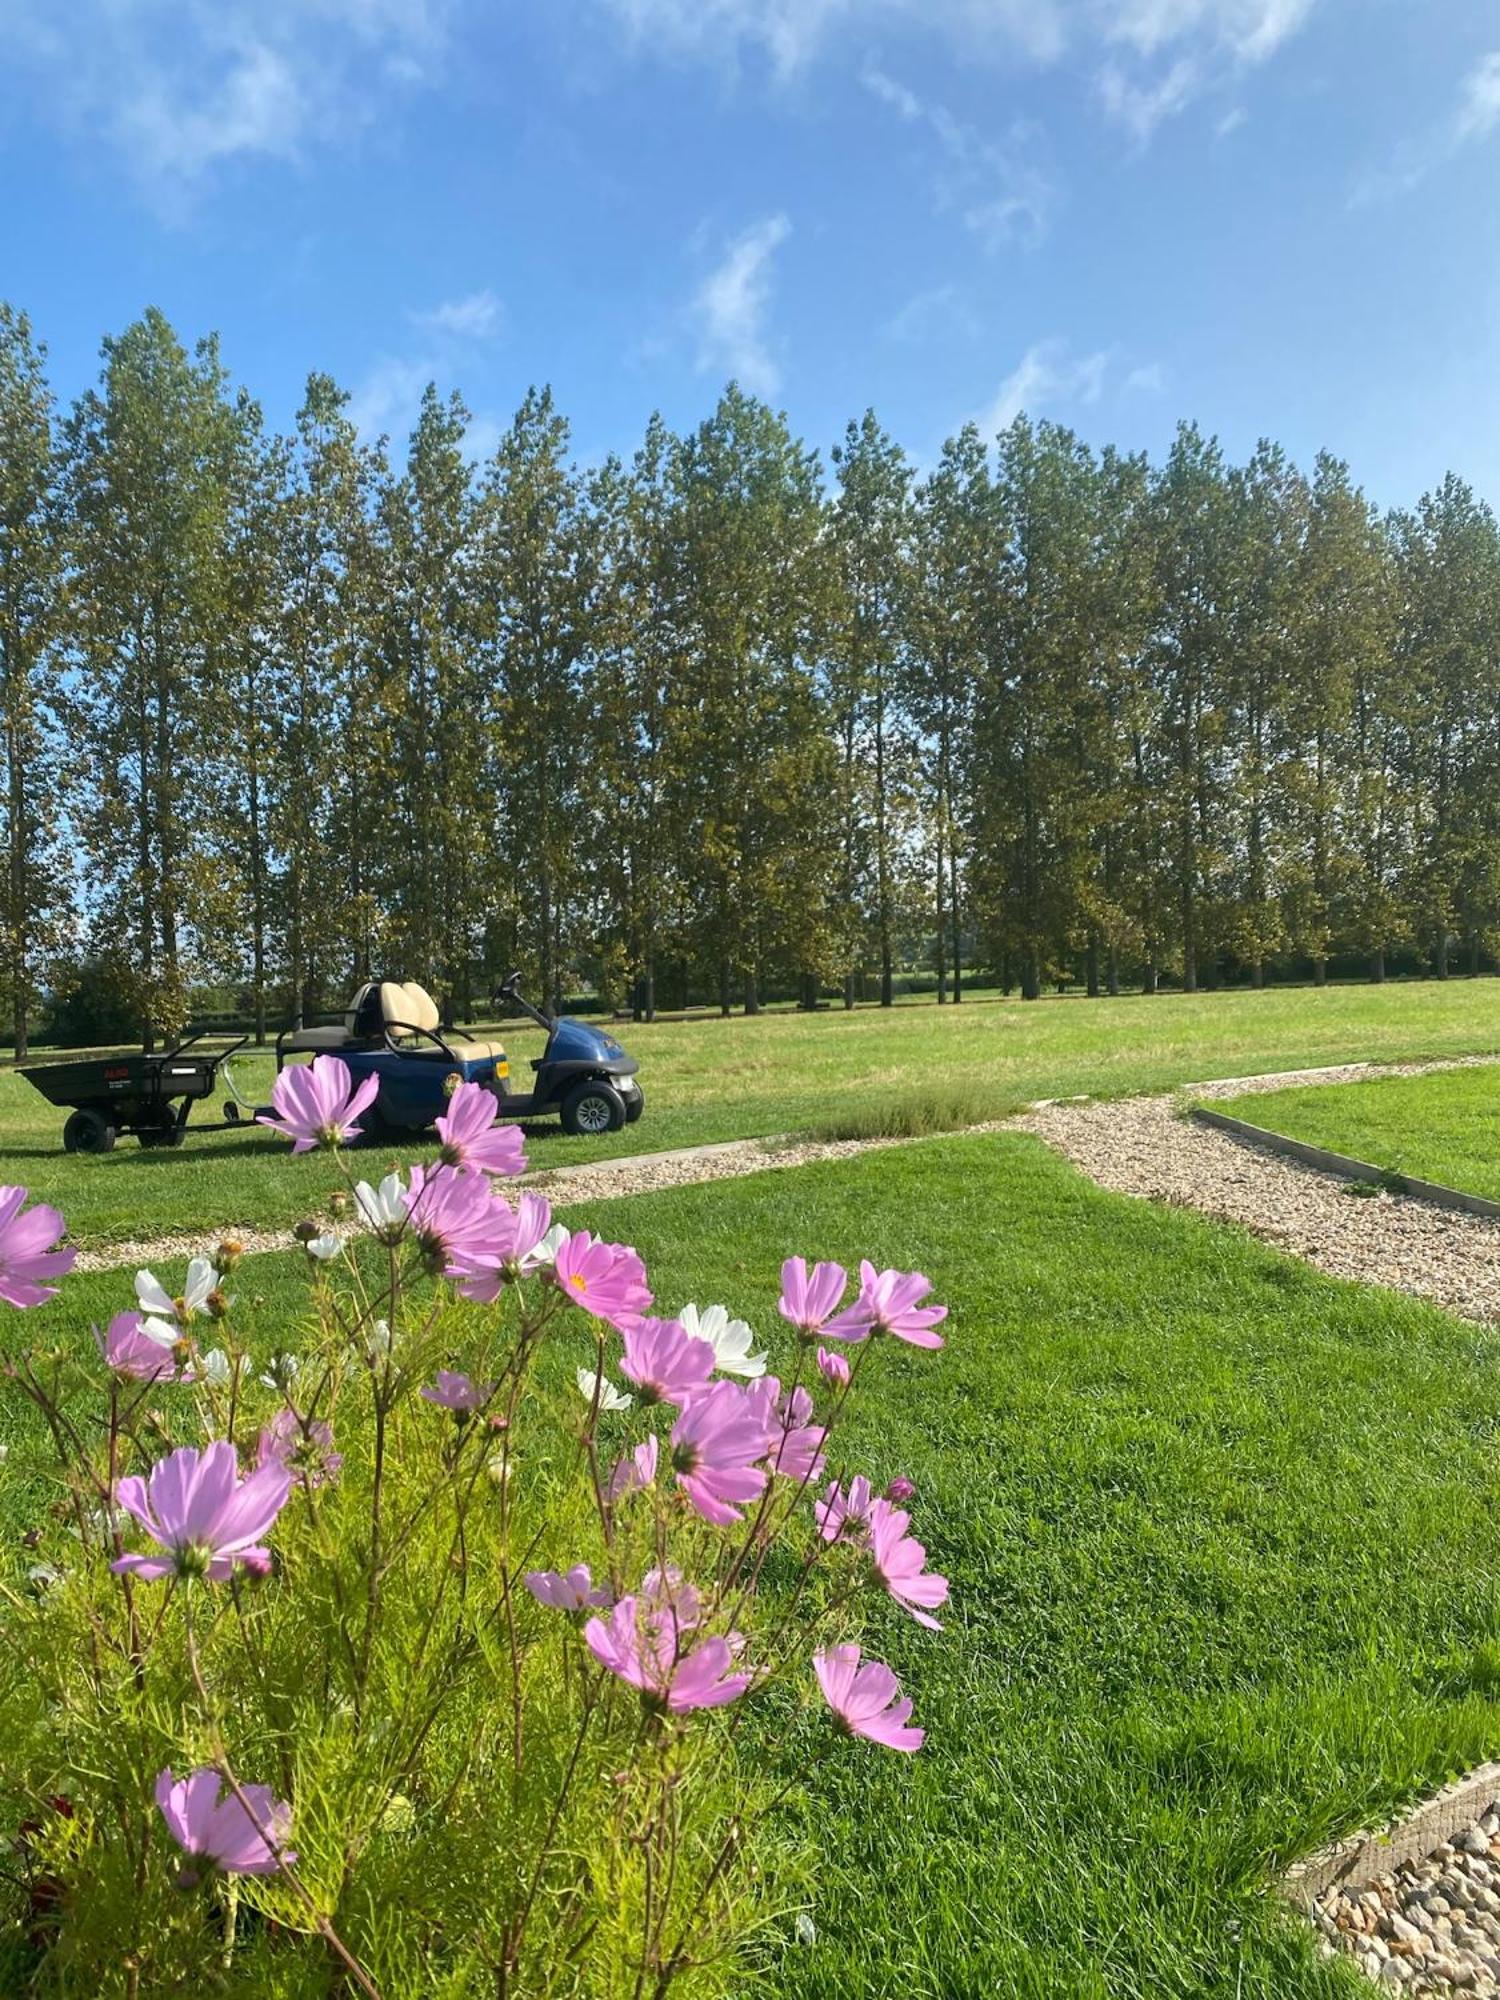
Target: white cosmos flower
{"x": 383, "y": 1208}
{"x": 215, "y": 1368}
{"x": 380, "y": 1338}
{"x": 544, "y": 1256}
{"x": 325, "y": 1248}
{"x": 281, "y": 1373}
{"x": 156, "y": 1301}
{"x": 729, "y": 1338}
{"x": 610, "y": 1398}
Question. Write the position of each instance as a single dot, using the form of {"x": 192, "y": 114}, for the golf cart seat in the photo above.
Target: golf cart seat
{"x": 403, "y": 1014}
{"x": 411, "y": 1007}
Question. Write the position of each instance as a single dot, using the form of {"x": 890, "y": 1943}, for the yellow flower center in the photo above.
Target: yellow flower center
{"x": 577, "y": 1282}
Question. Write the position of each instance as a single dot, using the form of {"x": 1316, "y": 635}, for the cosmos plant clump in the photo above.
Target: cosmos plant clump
{"x": 471, "y": 1629}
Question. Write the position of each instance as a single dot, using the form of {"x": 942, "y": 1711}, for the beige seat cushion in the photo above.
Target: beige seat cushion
{"x": 475, "y": 1051}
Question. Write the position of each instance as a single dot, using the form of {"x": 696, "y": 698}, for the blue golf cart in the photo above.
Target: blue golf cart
{"x": 392, "y": 1030}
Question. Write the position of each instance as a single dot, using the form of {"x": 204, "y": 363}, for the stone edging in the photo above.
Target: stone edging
{"x": 1432, "y": 1192}
{"x": 1364, "y": 1857}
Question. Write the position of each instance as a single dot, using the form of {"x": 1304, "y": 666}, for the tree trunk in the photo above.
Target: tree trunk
{"x": 1320, "y": 972}
{"x": 1112, "y": 974}
{"x": 724, "y": 987}
{"x": 752, "y": 993}
{"x": 1377, "y": 965}
{"x": 1091, "y": 966}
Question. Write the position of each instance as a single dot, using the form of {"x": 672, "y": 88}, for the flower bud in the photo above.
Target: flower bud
{"x": 900, "y": 1489}
{"x": 216, "y": 1305}
{"x": 226, "y": 1256}
{"x": 305, "y": 1232}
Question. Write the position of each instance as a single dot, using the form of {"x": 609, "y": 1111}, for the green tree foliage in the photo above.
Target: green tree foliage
{"x": 283, "y": 713}
{"x": 37, "y": 878}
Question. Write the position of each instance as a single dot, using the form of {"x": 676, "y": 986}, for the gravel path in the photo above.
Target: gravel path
{"x": 1432, "y": 1926}
{"x": 1145, "y": 1146}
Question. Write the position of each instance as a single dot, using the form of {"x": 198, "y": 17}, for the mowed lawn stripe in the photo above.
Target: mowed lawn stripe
{"x": 1220, "y": 1533}
{"x": 708, "y": 1080}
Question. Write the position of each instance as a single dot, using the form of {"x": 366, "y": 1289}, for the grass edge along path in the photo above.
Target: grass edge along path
{"x": 1219, "y": 1531}
{"x": 1443, "y": 1126}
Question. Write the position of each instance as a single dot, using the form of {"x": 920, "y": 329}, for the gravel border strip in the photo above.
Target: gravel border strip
{"x": 1145, "y": 1146}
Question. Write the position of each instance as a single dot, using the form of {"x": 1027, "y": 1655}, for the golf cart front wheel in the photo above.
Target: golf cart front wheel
{"x": 591, "y": 1109}
{"x": 88, "y": 1132}
{"x": 635, "y": 1104}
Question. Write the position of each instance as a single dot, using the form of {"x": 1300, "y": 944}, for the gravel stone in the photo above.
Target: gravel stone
{"x": 1398, "y": 1931}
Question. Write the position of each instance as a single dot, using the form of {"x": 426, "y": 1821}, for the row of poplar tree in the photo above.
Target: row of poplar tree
{"x": 286, "y": 711}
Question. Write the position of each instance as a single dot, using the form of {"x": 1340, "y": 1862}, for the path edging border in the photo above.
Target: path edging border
{"x": 1356, "y": 1862}
{"x": 1432, "y": 1192}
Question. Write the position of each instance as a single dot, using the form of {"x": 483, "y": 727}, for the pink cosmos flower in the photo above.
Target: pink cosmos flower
{"x": 898, "y": 1559}
{"x": 26, "y": 1253}
{"x": 900, "y": 1489}
{"x": 794, "y": 1446}
{"x": 481, "y": 1273}
{"x": 716, "y": 1444}
{"x": 208, "y": 1822}
{"x": 472, "y": 1135}
{"x": 570, "y": 1592}
{"x": 866, "y": 1700}
{"x": 636, "y": 1473}
{"x": 605, "y": 1279}
{"x": 317, "y": 1103}
{"x": 454, "y": 1213}
{"x": 888, "y": 1303}
{"x": 808, "y": 1301}
{"x": 128, "y": 1351}
{"x": 833, "y": 1368}
{"x": 672, "y": 1602}
{"x": 664, "y": 1362}
{"x": 847, "y": 1516}
{"x": 458, "y": 1392}
{"x": 197, "y": 1508}
{"x": 644, "y": 1653}
{"x": 305, "y": 1449}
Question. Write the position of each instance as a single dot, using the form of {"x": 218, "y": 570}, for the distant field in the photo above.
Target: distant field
{"x": 1444, "y": 1127}
{"x": 737, "y": 1078}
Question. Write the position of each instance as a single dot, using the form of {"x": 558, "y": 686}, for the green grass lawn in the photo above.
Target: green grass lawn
{"x": 1220, "y": 1532}
{"x": 1444, "y": 1127}
{"x": 712, "y": 1079}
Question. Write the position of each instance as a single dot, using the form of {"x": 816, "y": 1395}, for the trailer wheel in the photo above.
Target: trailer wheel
{"x": 162, "y": 1135}
{"x": 88, "y": 1132}
{"x": 591, "y": 1109}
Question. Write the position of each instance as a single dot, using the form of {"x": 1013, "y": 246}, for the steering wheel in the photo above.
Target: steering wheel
{"x": 509, "y": 986}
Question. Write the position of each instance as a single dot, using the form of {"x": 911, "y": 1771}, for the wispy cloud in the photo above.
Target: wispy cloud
{"x": 477, "y": 317}
{"x": 940, "y": 308}
{"x": 1162, "y": 53}
{"x": 1474, "y": 118}
{"x": 1001, "y": 192}
{"x": 387, "y": 400}
{"x": 731, "y": 305}
{"x": 178, "y": 88}
{"x": 1047, "y": 375}
{"x": 1479, "y": 106}
{"x": 1140, "y": 108}
{"x": 1150, "y": 379}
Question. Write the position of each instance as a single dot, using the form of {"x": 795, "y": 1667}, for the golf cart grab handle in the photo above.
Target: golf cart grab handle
{"x": 510, "y": 989}
{"x": 395, "y": 1028}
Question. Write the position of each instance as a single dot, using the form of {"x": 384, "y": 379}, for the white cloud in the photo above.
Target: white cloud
{"x": 1140, "y": 108}
{"x": 385, "y": 401}
{"x": 179, "y": 87}
{"x": 477, "y": 317}
{"x": 1046, "y": 375}
{"x": 1148, "y": 380}
{"x": 941, "y": 308}
{"x": 1479, "y": 110}
{"x": 1157, "y": 54}
{"x": 1476, "y": 116}
{"x": 1001, "y": 192}
{"x": 730, "y": 308}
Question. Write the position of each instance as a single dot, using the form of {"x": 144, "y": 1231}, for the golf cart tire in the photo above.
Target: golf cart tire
{"x": 88, "y": 1132}
{"x": 635, "y": 1104}
{"x": 592, "y": 1108}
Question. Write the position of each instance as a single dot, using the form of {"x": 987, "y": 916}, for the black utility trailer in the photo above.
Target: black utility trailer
{"x": 150, "y": 1096}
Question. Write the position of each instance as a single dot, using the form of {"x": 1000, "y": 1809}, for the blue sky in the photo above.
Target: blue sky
{"x": 1278, "y": 216}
